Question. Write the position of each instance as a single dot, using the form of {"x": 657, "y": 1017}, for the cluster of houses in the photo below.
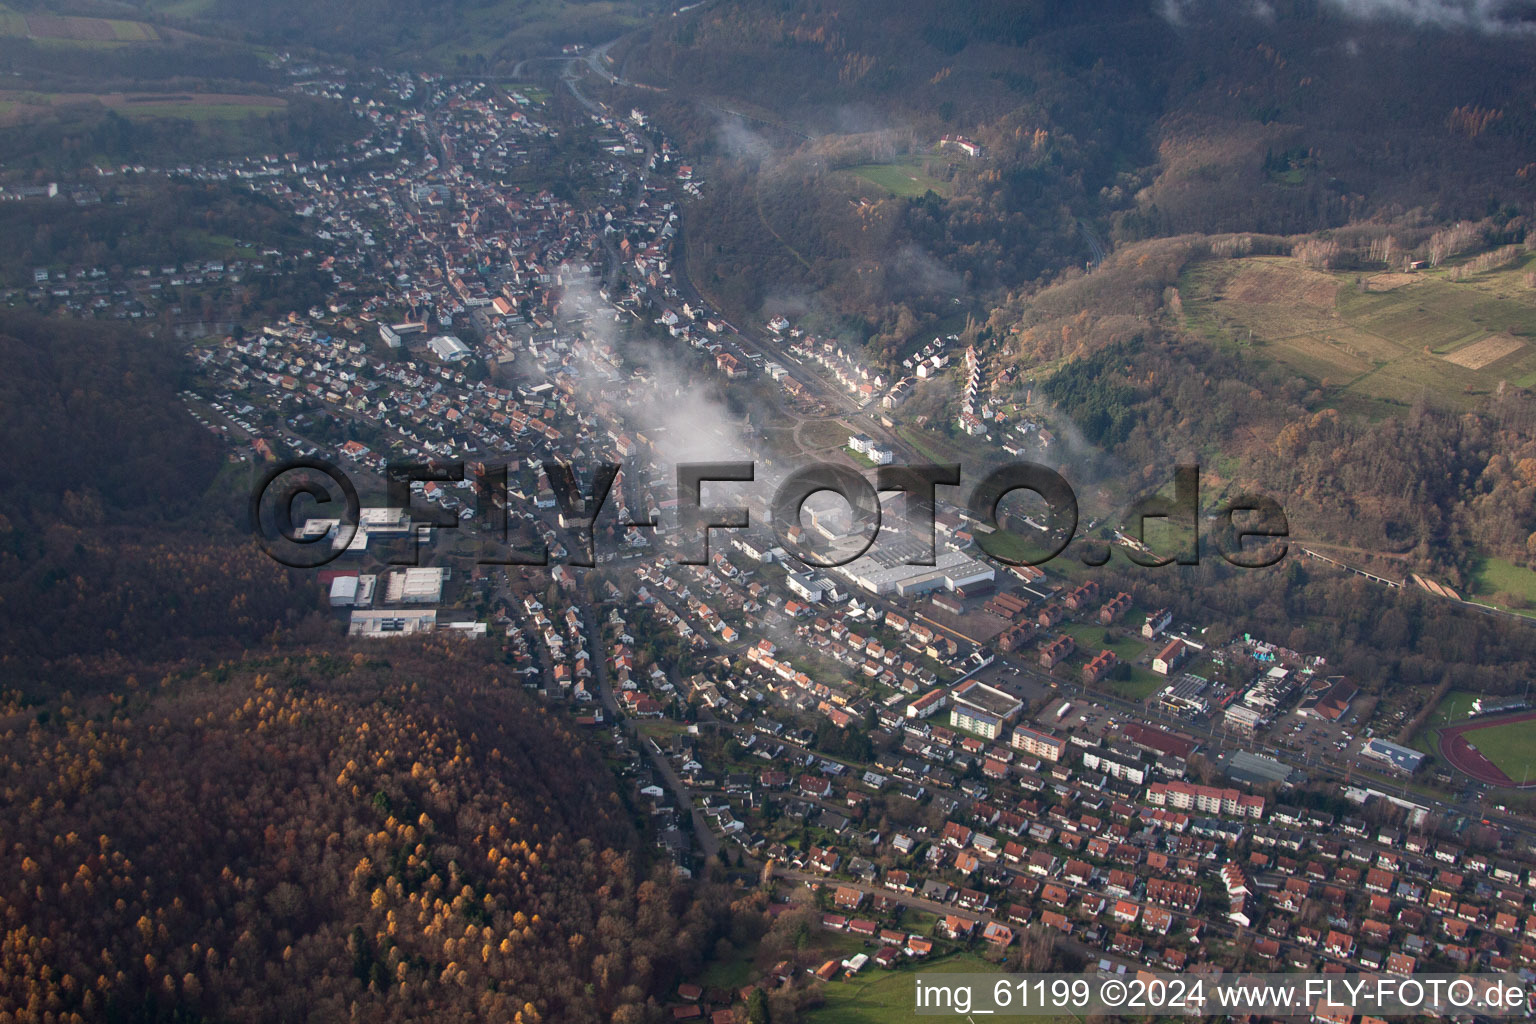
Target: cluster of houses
{"x": 1098, "y": 829}
{"x": 848, "y": 371}
{"x": 118, "y": 292}
{"x": 1088, "y": 834}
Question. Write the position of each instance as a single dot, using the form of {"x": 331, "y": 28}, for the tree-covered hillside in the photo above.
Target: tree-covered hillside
{"x": 1119, "y": 120}
{"x": 327, "y": 836}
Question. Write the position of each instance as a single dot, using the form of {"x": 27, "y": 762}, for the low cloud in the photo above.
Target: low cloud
{"x": 1490, "y": 16}
{"x": 916, "y": 271}
{"x": 1481, "y": 15}
{"x": 741, "y": 143}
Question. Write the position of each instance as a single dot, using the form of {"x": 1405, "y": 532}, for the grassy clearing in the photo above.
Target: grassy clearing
{"x": 906, "y": 177}
{"x": 1096, "y": 638}
{"x": 731, "y": 973}
{"x": 209, "y": 245}
{"x": 1016, "y": 547}
{"x": 658, "y": 728}
{"x": 1364, "y": 338}
{"x": 1499, "y": 576}
{"x": 1454, "y": 708}
{"x": 1512, "y": 747}
{"x": 1139, "y": 684}
{"x": 926, "y": 444}
{"x": 1136, "y": 683}
{"x": 1167, "y": 537}
{"x": 864, "y": 461}
{"x": 882, "y": 997}
{"x": 820, "y": 434}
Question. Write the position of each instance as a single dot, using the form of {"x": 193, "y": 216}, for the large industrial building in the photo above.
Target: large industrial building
{"x": 415, "y": 586}
{"x": 448, "y": 348}
{"x": 884, "y": 574}
{"x": 385, "y": 623}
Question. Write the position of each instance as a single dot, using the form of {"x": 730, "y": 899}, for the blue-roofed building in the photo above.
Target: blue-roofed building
{"x": 1399, "y": 758}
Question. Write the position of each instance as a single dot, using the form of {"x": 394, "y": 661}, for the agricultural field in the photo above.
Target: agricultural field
{"x": 20, "y": 106}
{"x": 1372, "y": 338}
{"x": 905, "y": 177}
{"x": 506, "y": 27}
{"x": 70, "y": 29}
{"x": 182, "y": 8}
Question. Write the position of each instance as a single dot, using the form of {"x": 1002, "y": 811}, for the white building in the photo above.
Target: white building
{"x": 381, "y": 623}
{"x": 951, "y": 570}
{"x": 804, "y": 586}
{"x": 422, "y": 585}
{"x": 448, "y": 348}
{"x": 343, "y": 591}
{"x": 982, "y": 709}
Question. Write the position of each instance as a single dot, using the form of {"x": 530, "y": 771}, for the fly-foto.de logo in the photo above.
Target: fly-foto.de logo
{"x": 1251, "y": 528}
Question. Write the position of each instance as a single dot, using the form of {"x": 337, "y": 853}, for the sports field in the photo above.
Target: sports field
{"x": 907, "y": 177}
{"x": 1383, "y": 337}
{"x": 1500, "y": 752}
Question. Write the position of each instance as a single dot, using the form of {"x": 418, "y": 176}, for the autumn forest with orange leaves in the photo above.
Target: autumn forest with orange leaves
{"x": 355, "y": 837}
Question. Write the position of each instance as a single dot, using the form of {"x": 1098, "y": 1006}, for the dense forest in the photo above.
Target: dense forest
{"x": 328, "y": 836}
{"x": 119, "y": 547}
{"x": 211, "y": 820}
{"x": 1120, "y": 121}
